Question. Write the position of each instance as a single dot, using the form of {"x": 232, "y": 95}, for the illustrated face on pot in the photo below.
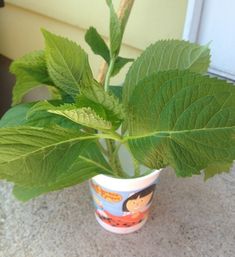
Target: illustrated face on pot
{"x": 139, "y": 200}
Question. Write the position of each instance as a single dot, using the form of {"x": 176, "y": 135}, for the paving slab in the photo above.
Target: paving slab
{"x": 189, "y": 218}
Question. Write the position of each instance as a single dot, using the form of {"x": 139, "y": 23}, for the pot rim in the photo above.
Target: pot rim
{"x": 126, "y": 184}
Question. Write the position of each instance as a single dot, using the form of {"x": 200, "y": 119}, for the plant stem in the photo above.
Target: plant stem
{"x": 109, "y": 73}
{"x": 104, "y": 77}
{"x": 123, "y": 13}
{"x": 115, "y": 153}
{"x": 113, "y": 158}
{"x": 102, "y": 149}
{"x": 135, "y": 162}
{"x": 136, "y": 167}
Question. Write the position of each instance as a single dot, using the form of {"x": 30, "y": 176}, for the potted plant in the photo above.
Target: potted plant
{"x": 166, "y": 113}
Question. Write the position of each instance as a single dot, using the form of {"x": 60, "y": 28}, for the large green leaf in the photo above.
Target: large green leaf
{"x": 182, "y": 119}
{"x": 18, "y": 116}
{"x": 15, "y": 116}
{"x": 97, "y": 43}
{"x": 84, "y": 112}
{"x": 30, "y": 71}
{"x": 37, "y": 157}
{"x": 84, "y": 116}
{"x": 67, "y": 63}
{"x": 83, "y": 101}
{"x": 217, "y": 168}
{"x": 88, "y": 164}
{"x": 166, "y": 55}
{"x": 113, "y": 108}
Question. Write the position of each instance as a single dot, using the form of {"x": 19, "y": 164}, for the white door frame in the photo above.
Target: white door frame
{"x": 192, "y": 20}
{"x": 191, "y": 30}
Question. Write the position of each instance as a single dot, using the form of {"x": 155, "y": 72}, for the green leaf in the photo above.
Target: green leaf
{"x": 30, "y": 71}
{"x": 217, "y": 168}
{"x": 38, "y": 156}
{"x": 15, "y": 116}
{"x": 117, "y": 91}
{"x": 182, "y": 119}
{"x": 58, "y": 94}
{"x": 97, "y": 44}
{"x": 48, "y": 120}
{"x": 166, "y": 55}
{"x": 84, "y": 116}
{"x": 18, "y": 116}
{"x": 42, "y": 106}
{"x": 67, "y": 63}
{"x": 83, "y": 112}
{"x": 120, "y": 62}
{"x": 83, "y": 101}
{"x": 113, "y": 108}
{"x": 88, "y": 164}
{"x": 115, "y": 30}
{"x": 55, "y": 93}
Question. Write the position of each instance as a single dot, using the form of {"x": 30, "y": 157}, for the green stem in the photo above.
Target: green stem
{"x": 113, "y": 136}
{"x": 113, "y": 159}
{"x": 102, "y": 149}
{"x": 115, "y": 153}
{"x": 109, "y": 73}
{"x": 124, "y": 12}
{"x": 136, "y": 167}
{"x": 135, "y": 162}
{"x": 116, "y": 135}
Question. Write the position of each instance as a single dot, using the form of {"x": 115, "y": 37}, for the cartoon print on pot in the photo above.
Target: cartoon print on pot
{"x": 139, "y": 200}
{"x": 132, "y": 210}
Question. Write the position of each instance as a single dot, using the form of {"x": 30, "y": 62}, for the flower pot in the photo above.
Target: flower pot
{"x": 122, "y": 205}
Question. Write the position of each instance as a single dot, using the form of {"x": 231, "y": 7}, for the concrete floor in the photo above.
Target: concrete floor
{"x": 189, "y": 218}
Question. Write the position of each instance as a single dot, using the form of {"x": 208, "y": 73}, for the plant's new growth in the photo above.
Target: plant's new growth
{"x": 169, "y": 112}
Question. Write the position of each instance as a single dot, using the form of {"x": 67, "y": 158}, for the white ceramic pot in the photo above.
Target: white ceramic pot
{"x": 122, "y": 205}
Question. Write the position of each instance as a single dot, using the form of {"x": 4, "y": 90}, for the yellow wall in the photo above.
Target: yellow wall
{"x": 150, "y": 20}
